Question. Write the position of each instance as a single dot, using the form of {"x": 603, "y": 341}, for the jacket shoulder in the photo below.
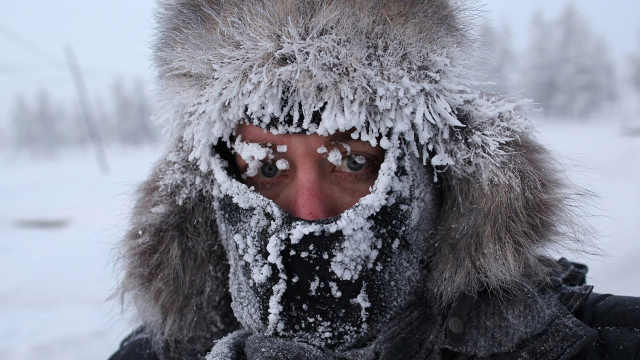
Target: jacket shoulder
{"x": 617, "y": 321}
{"x": 135, "y": 346}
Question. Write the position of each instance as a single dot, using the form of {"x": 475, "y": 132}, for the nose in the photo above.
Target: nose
{"x": 309, "y": 197}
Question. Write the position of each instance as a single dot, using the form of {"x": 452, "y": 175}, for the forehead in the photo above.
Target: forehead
{"x": 252, "y": 133}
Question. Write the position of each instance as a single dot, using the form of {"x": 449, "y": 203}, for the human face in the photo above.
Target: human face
{"x": 322, "y": 176}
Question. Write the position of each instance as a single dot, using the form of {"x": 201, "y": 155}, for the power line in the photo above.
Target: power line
{"x": 36, "y": 50}
{"x": 30, "y": 46}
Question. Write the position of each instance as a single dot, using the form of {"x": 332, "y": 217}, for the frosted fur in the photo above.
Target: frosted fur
{"x": 388, "y": 68}
{"x": 376, "y": 67}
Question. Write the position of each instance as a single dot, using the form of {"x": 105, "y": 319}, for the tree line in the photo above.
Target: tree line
{"x": 565, "y": 68}
{"x": 42, "y": 124}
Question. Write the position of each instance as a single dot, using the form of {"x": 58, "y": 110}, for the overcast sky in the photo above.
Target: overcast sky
{"x": 111, "y": 38}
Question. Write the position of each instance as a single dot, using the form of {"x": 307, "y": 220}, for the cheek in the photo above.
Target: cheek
{"x": 346, "y": 194}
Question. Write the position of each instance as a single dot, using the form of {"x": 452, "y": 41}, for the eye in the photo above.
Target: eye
{"x": 354, "y": 163}
{"x": 269, "y": 170}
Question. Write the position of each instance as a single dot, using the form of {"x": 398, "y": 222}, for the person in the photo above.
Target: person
{"x": 335, "y": 187}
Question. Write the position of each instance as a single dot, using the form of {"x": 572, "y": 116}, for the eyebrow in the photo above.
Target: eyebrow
{"x": 267, "y": 138}
{"x": 341, "y": 137}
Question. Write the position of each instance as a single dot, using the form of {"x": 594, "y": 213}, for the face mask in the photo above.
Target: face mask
{"x": 332, "y": 282}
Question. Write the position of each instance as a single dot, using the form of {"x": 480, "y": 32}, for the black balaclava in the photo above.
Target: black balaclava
{"x": 331, "y": 282}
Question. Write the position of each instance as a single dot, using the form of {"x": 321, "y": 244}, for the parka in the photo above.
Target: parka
{"x": 592, "y": 326}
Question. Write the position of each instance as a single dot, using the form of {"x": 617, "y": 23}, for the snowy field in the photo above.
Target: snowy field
{"x": 604, "y": 159}
{"x": 56, "y": 281}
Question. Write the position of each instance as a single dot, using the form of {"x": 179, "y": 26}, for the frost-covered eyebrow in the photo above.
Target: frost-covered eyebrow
{"x": 267, "y": 138}
{"x": 341, "y": 137}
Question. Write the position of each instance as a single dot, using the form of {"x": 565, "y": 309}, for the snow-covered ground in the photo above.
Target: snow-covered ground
{"x": 604, "y": 159}
{"x": 55, "y": 282}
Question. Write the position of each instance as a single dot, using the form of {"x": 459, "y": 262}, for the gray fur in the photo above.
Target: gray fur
{"x": 491, "y": 235}
{"x": 192, "y": 32}
{"x": 175, "y": 269}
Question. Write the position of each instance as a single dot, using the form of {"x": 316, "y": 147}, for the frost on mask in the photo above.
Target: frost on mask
{"x": 334, "y": 281}
{"x": 254, "y": 155}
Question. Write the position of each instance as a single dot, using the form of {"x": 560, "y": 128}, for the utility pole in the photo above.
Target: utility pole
{"x": 94, "y": 134}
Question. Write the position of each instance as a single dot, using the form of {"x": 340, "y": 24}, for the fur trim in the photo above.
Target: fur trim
{"x": 374, "y": 67}
{"x": 176, "y": 271}
{"x": 493, "y": 237}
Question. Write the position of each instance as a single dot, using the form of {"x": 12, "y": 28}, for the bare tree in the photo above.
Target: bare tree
{"x": 635, "y": 66}
{"x": 22, "y": 124}
{"x": 46, "y": 123}
{"x": 569, "y": 71}
{"x": 539, "y": 80}
{"x": 498, "y": 62}
{"x": 132, "y": 112}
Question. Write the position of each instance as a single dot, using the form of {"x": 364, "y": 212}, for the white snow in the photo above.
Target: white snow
{"x": 56, "y": 281}
{"x": 363, "y": 301}
{"x": 601, "y": 158}
{"x": 313, "y": 286}
{"x": 335, "y": 157}
{"x": 335, "y": 291}
{"x": 275, "y": 308}
{"x": 282, "y": 164}
{"x": 360, "y": 159}
{"x": 252, "y": 154}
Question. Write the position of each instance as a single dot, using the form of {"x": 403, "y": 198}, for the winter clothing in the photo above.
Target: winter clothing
{"x": 591, "y": 326}
{"x": 441, "y": 260}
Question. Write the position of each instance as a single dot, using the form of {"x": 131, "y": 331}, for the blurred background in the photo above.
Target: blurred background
{"x": 76, "y": 94}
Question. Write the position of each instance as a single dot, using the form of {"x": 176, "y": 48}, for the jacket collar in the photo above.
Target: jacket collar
{"x": 537, "y": 325}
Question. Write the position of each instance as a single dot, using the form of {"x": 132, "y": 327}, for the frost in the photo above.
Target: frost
{"x": 334, "y": 289}
{"x": 385, "y": 143}
{"x": 262, "y": 275}
{"x": 322, "y": 150}
{"x": 363, "y": 301}
{"x": 159, "y": 210}
{"x": 335, "y": 157}
{"x": 275, "y": 324}
{"x": 346, "y": 147}
{"x": 281, "y": 148}
{"x": 313, "y": 286}
{"x": 420, "y": 95}
{"x": 252, "y": 154}
{"x": 297, "y": 232}
{"x": 282, "y": 164}
{"x": 360, "y": 159}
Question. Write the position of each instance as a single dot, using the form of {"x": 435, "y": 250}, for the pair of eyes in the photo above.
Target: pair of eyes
{"x": 353, "y": 163}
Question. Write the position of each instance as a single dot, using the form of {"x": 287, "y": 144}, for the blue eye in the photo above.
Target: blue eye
{"x": 269, "y": 170}
{"x": 354, "y": 163}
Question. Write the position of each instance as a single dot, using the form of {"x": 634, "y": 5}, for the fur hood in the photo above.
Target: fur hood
{"x": 376, "y": 66}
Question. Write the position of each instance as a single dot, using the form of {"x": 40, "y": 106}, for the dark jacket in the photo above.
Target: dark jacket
{"x": 595, "y": 326}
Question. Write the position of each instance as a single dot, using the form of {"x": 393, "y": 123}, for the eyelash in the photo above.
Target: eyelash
{"x": 370, "y": 170}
